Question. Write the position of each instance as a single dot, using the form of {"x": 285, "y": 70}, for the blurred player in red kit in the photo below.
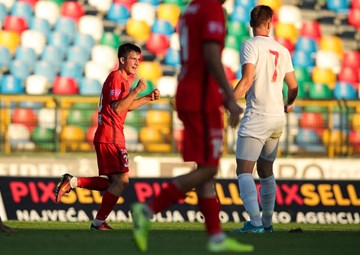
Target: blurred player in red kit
{"x": 202, "y": 91}
{"x": 116, "y": 100}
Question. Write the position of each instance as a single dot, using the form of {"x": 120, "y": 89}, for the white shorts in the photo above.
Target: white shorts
{"x": 258, "y": 136}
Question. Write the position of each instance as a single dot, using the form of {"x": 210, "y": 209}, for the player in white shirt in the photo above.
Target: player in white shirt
{"x": 265, "y": 65}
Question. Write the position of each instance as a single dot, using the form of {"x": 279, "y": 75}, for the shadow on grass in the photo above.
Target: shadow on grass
{"x": 183, "y": 238}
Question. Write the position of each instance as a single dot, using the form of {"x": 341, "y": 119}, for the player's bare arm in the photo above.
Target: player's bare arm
{"x": 211, "y": 51}
{"x": 138, "y": 102}
{"x": 245, "y": 82}
{"x": 292, "y": 84}
{"x": 121, "y": 105}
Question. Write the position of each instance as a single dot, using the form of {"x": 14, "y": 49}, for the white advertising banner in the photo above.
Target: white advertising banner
{"x": 144, "y": 166}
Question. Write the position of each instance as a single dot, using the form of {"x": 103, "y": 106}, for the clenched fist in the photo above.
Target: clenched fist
{"x": 141, "y": 85}
{"x": 154, "y": 95}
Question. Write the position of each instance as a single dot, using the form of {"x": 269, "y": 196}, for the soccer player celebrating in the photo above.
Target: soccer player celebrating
{"x": 116, "y": 100}
{"x": 265, "y": 65}
{"x": 202, "y": 91}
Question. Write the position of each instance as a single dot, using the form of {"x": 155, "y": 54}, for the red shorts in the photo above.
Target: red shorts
{"x": 203, "y": 137}
{"x": 111, "y": 158}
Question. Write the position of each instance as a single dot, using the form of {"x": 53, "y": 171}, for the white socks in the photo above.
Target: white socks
{"x": 217, "y": 238}
{"x": 267, "y": 198}
{"x": 248, "y": 194}
{"x": 148, "y": 212}
{"x": 73, "y": 182}
{"x": 97, "y": 223}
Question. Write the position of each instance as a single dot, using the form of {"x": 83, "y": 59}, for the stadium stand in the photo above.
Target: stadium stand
{"x": 11, "y": 85}
{"x": 23, "y": 10}
{"x": 118, "y": 13}
{"x": 26, "y": 55}
{"x": 110, "y": 39}
{"x": 65, "y": 86}
{"x": 47, "y": 10}
{"x": 72, "y": 9}
{"x": 33, "y": 39}
{"x": 10, "y": 40}
{"x": 5, "y": 58}
{"x": 15, "y": 24}
{"x": 20, "y": 69}
{"x": 45, "y": 69}
{"x": 59, "y": 48}
{"x": 36, "y": 85}
{"x": 143, "y": 11}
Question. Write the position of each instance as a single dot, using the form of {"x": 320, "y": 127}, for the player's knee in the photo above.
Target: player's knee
{"x": 121, "y": 181}
{"x": 125, "y": 182}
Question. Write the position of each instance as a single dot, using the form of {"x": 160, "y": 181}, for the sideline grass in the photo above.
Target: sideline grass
{"x": 57, "y": 238}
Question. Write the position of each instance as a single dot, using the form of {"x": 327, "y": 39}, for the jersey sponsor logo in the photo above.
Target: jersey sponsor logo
{"x": 115, "y": 92}
{"x": 215, "y": 27}
{"x": 192, "y": 9}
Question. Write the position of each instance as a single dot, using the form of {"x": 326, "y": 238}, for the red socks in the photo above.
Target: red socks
{"x": 210, "y": 208}
{"x": 93, "y": 183}
{"x": 167, "y": 197}
{"x": 108, "y": 202}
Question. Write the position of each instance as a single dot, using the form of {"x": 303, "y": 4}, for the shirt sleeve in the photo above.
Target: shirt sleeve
{"x": 214, "y": 23}
{"x": 248, "y": 54}
{"x": 115, "y": 88}
{"x": 289, "y": 65}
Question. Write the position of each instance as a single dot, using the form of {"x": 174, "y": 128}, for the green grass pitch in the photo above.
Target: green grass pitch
{"x": 58, "y": 238}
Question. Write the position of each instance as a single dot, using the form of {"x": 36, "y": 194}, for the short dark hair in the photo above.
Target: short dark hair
{"x": 260, "y": 15}
{"x": 126, "y": 48}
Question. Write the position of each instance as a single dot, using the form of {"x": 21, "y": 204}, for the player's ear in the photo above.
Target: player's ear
{"x": 122, "y": 60}
{"x": 269, "y": 24}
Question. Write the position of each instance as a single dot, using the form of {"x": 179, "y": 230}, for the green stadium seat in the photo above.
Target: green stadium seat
{"x": 44, "y": 138}
{"x": 238, "y": 29}
{"x": 58, "y": 2}
{"x": 110, "y": 39}
{"x": 320, "y": 91}
{"x": 135, "y": 119}
{"x": 86, "y": 106}
{"x": 302, "y": 74}
{"x": 232, "y": 42}
{"x": 180, "y": 3}
{"x": 315, "y": 108}
{"x": 80, "y": 117}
